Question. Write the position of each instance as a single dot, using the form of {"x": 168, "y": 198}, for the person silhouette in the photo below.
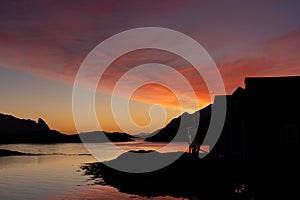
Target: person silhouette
{"x": 192, "y": 141}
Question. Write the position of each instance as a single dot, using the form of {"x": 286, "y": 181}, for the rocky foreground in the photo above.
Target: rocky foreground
{"x": 4, "y": 152}
{"x": 191, "y": 177}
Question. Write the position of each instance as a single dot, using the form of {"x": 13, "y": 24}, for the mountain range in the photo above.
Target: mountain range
{"x": 15, "y": 130}
{"x": 256, "y": 113}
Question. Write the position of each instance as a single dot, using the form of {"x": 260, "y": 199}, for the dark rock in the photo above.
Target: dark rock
{"x": 4, "y": 152}
{"x": 42, "y": 124}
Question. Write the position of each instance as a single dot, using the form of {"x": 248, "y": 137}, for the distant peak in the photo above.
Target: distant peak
{"x": 42, "y": 124}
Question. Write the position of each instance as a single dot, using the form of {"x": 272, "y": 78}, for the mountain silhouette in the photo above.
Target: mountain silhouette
{"x": 168, "y": 133}
{"x": 101, "y": 136}
{"x": 13, "y": 125}
{"x": 15, "y": 130}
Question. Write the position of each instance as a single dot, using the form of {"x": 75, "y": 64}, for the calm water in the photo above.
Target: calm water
{"x": 57, "y": 175}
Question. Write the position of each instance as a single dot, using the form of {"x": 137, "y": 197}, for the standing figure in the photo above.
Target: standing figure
{"x": 194, "y": 147}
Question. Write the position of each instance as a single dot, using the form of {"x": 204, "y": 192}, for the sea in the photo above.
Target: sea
{"x": 54, "y": 170}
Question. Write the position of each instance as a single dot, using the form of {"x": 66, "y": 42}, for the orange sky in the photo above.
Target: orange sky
{"x": 42, "y": 45}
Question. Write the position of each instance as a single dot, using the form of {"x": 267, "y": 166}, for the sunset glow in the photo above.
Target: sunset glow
{"x": 42, "y": 46}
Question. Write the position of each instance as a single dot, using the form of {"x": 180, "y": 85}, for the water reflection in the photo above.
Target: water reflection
{"x": 59, "y": 176}
{"x": 36, "y": 177}
{"x": 56, "y": 176}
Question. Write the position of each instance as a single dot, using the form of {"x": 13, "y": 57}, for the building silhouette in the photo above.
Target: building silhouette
{"x": 262, "y": 120}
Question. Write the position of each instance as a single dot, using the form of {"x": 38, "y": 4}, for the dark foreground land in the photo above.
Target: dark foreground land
{"x": 191, "y": 177}
{"x": 4, "y": 152}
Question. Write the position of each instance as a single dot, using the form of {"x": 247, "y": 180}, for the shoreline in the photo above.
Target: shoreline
{"x": 5, "y": 152}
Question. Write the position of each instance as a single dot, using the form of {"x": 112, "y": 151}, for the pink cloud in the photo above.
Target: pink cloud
{"x": 50, "y": 39}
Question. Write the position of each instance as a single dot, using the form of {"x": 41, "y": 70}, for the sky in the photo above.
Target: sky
{"x": 43, "y": 43}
